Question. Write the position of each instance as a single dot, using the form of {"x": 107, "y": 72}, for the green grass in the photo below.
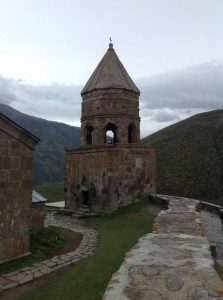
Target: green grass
{"x": 41, "y": 244}
{"x": 87, "y": 279}
{"x": 47, "y": 242}
{"x": 54, "y": 192}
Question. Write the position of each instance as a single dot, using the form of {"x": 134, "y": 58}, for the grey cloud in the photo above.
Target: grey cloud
{"x": 165, "y": 99}
{"x": 195, "y": 87}
{"x": 7, "y": 94}
{"x": 164, "y": 116}
{"x": 53, "y": 102}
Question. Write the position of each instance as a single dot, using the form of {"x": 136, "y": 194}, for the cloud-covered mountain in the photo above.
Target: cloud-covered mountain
{"x": 189, "y": 153}
{"x": 165, "y": 98}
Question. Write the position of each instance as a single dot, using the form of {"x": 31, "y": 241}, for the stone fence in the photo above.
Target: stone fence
{"x": 173, "y": 262}
{"x": 163, "y": 201}
{"x": 213, "y": 208}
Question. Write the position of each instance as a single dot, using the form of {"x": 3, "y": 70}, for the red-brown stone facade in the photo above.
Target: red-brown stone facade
{"x": 110, "y": 109}
{"x": 113, "y": 176}
{"x": 16, "y": 171}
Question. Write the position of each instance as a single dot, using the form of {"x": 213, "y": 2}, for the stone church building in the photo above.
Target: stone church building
{"x": 16, "y": 172}
{"x": 110, "y": 168}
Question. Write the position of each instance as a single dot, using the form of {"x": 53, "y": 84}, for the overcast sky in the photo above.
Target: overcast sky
{"x": 172, "y": 49}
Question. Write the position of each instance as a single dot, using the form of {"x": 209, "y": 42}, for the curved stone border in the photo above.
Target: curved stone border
{"x": 27, "y": 274}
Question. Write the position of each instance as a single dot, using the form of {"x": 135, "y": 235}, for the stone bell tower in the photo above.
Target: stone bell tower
{"x": 110, "y": 103}
{"x": 110, "y": 168}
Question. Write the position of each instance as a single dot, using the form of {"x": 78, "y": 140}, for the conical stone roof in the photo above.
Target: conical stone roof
{"x": 110, "y": 73}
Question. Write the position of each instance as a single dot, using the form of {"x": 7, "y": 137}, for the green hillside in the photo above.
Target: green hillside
{"x": 189, "y": 153}
{"x": 190, "y": 157}
{"x": 54, "y": 192}
{"x": 49, "y": 153}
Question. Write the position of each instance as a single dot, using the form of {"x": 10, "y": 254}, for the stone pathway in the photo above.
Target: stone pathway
{"x": 211, "y": 224}
{"x": 174, "y": 262}
{"x": 28, "y": 274}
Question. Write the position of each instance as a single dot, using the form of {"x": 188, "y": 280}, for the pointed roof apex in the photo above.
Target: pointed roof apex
{"x": 110, "y": 73}
{"x": 110, "y": 44}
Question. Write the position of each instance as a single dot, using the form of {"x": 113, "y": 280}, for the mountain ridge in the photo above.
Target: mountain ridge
{"x": 189, "y": 153}
{"x": 49, "y": 152}
{"x": 190, "y": 157}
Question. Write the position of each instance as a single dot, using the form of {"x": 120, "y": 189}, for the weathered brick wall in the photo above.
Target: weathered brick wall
{"x": 37, "y": 216}
{"x": 114, "y": 175}
{"x": 15, "y": 196}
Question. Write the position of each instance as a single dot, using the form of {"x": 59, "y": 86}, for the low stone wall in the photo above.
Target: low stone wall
{"x": 163, "y": 201}
{"x": 173, "y": 262}
{"x": 213, "y": 208}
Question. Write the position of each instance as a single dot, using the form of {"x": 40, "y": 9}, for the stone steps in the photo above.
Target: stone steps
{"x": 77, "y": 214}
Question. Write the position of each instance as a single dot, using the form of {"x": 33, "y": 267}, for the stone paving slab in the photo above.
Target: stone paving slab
{"x": 143, "y": 274}
{"x": 166, "y": 266}
{"x": 47, "y": 266}
{"x": 172, "y": 263}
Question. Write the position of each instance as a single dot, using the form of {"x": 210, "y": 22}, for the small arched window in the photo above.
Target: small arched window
{"x": 132, "y": 133}
{"x": 89, "y": 137}
{"x": 110, "y": 134}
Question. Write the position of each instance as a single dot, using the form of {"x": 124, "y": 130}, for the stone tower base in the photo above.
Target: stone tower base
{"x": 110, "y": 176}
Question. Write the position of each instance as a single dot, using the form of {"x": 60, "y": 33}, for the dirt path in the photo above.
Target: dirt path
{"x": 74, "y": 241}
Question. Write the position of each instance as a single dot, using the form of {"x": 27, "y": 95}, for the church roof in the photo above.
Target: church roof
{"x": 37, "y": 197}
{"x": 110, "y": 73}
{"x": 17, "y": 132}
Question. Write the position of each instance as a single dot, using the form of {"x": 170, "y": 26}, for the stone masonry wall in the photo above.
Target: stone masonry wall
{"x": 114, "y": 175}
{"x": 116, "y": 106}
{"x": 16, "y": 161}
{"x": 37, "y": 217}
{"x": 174, "y": 262}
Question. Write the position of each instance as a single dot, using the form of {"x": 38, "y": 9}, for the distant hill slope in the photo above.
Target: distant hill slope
{"x": 190, "y": 157}
{"x": 49, "y": 154}
{"x": 189, "y": 153}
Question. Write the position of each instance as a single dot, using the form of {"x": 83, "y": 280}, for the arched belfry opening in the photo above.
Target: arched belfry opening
{"x": 116, "y": 168}
{"x": 110, "y": 134}
{"x": 132, "y": 134}
{"x": 110, "y": 97}
{"x": 89, "y": 137}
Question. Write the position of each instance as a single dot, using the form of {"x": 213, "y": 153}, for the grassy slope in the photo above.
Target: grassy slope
{"x": 190, "y": 157}
{"x": 53, "y": 191}
{"x": 87, "y": 279}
